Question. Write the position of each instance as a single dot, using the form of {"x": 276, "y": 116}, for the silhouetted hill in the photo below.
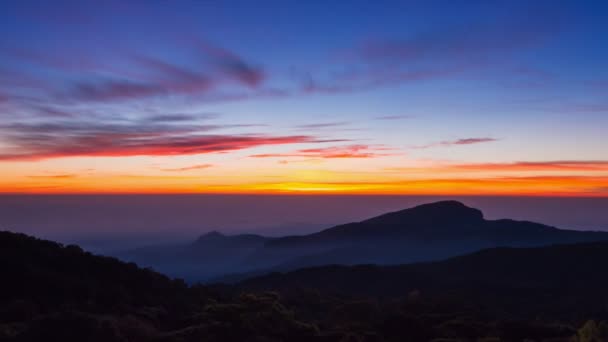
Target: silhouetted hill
{"x": 439, "y": 221}
{"x": 559, "y": 280}
{"x": 53, "y": 274}
{"x": 214, "y": 238}
{"x": 427, "y": 232}
{"x": 445, "y": 218}
{"x": 51, "y": 292}
{"x": 212, "y": 254}
{"x": 424, "y": 233}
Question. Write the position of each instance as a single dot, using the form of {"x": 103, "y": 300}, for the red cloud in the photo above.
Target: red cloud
{"x": 66, "y": 139}
{"x": 112, "y": 145}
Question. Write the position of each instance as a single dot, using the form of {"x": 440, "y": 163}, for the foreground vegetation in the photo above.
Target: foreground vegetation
{"x": 51, "y": 292}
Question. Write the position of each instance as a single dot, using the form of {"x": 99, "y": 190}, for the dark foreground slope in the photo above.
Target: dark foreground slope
{"x": 556, "y": 282}
{"x": 427, "y": 232}
{"x": 50, "y": 292}
{"x": 511, "y": 294}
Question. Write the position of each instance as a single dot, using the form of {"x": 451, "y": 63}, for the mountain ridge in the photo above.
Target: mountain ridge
{"x": 427, "y": 232}
{"x": 563, "y": 266}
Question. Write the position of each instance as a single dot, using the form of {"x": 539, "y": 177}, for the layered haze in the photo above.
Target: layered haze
{"x": 114, "y": 222}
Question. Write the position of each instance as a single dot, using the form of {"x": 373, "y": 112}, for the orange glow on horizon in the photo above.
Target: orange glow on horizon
{"x": 505, "y": 186}
{"x": 353, "y": 177}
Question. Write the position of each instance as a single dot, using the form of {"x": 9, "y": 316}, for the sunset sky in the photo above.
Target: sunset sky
{"x": 304, "y": 97}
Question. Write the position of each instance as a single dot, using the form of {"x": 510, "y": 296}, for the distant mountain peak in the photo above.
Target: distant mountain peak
{"x": 212, "y": 235}
{"x": 450, "y": 208}
{"x": 453, "y": 212}
{"x": 216, "y": 238}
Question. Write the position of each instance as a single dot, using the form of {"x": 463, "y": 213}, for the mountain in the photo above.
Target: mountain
{"x": 506, "y": 288}
{"x": 572, "y": 266}
{"x": 51, "y": 292}
{"x": 210, "y": 255}
{"x": 424, "y": 233}
{"x": 558, "y": 281}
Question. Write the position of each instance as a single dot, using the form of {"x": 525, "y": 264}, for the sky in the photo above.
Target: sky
{"x": 304, "y": 97}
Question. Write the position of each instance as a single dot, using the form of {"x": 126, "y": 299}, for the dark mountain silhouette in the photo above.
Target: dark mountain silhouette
{"x": 574, "y": 268}
{"x": 51, "y": 292}
{"x": 212, "y": 254}
{"x": 424, "y": 233}
{"x": 554, "y": 283}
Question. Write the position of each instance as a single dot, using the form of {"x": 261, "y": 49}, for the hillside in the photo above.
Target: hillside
{"x": 559, "y": 281}
{"x": 427, "y": 232}
{"x": 52, "y": 292}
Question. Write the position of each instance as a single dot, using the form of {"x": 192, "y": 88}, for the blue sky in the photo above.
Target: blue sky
{"x": 302, "y": 93}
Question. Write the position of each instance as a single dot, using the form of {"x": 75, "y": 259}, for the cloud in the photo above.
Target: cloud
{"x": 112, "y": 145}
{"x": 189, "y": 168}
{"x": 172, "y": 118}
{"x": 62, "y": 176}
{"x": 203, "y": 68}
{"x": 68, "y": 139}
{"x": 554, "y": 165}
{"x": 233, "y": 65}
{"x": 323, "y": 125}
{"x": 49, "y": 111}
{"x": 463, "y": 141}
{"x": 467, "y": 141}
{"x": 115, "y": 90}
{"x": 180, "y": 117}
{"x": 570, "y": 166}
{"x": 445, "y": 52}
{"x": 350, "y": 151}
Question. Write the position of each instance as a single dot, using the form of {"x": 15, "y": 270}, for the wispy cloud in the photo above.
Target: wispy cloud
{"x": 553, "y": 165}
{"x": 115, "y": 90}
{"x": 233, "y": 65}
{"x": 446, "y": 52}
{"x": 569, "y": 166}
{"x": 457, "y": 142}
{"x": 173, "y": 117}
{"x": 68, "y": 139}
{"x": 60, "y": 176}
{"x": 206, "y": 68}
{"x": 323, "y": 125}
{"x": 189, "y": 168}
